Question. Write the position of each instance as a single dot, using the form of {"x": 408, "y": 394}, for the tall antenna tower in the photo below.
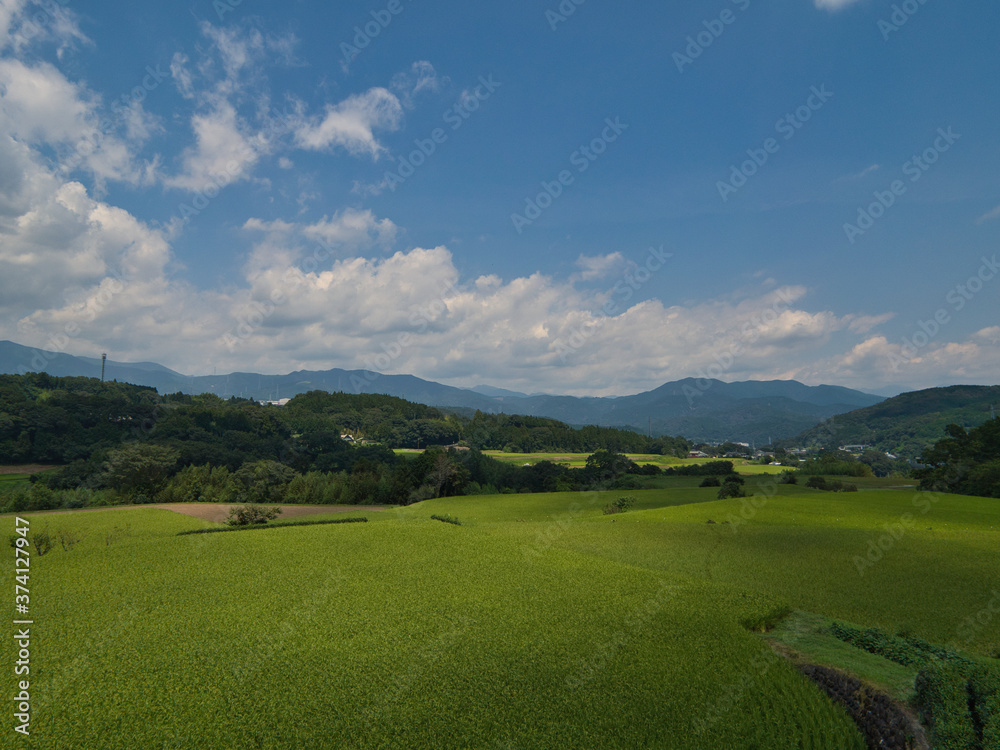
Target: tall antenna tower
{"x": 104, "y": 358}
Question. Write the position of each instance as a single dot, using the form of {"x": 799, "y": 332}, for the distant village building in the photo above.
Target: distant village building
{"x": 855, "y": 449}
{"x": 698, "y": 454}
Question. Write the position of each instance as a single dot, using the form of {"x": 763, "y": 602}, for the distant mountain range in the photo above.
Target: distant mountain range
{"x": 907, "y": 424}
{"x": 754, "y": 411}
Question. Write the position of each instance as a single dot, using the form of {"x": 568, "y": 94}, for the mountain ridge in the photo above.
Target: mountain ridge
{"x": 701, "y": 410}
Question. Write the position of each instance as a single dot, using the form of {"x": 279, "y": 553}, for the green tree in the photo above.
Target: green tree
{"x": 139, "y": 470}
{"x": 262, "y": 481}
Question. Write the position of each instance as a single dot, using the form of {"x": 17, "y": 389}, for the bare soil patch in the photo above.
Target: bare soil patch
{"x": 25, "y": 469}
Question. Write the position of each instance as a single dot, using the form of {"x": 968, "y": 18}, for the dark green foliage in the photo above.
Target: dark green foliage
{"x": 731, "y": 489}
{"x": 447, "y": 519}
{"x": 711, "y": 468}
{"x": 41, "y": 541}
{"x": 282, "y": 525}
{"x": 139, "y": 470}
{"x": 710, "y": 482}
{"x": 768, "y": 620}
{"x": 68, "y": 539}
{"x": 965, "y": 462}
{"x": 943, "y": 698}
{"x": 906, "y": 425}
{"x": 262, "y": 481}
{"x": 45, "y": 419}
{"x": 621, "y": 505}
{"x": 734, "y": 479}
{"x": 251, "y": 514}
{"x": 837, "y": 463}
{"x": 900, "y": 649}
{"x": 788, "y": 477}
{"x": 830, "y": 485}
{"x": 984, "y": 693}
{"x": 518, "y": 434}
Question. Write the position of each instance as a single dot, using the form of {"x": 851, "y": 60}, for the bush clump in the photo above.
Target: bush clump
{"x": 943, "y": 698}
{"x": 788, "y": 477}
{"x": 731, "y": 489}
{"x": 620, "y": 505}
{"x": 710, "y": 482}
{"x": 251, "y": 514}
{"x": 447, "y": 519}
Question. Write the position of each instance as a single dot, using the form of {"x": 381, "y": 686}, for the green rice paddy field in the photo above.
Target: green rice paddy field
{"x": 539, "y": 622}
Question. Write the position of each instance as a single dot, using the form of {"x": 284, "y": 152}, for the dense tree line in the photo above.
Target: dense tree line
{"x": 966, "y": 462}
{"x": 518, "y": 434}
{"x": 122, "y": 443}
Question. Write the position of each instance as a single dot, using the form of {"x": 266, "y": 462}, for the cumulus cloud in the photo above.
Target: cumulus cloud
{"x": 352, "y": 123}
{"x": 222, "y": 153}
{"x": 40, "y": 106}
{"x": 599, "y": 266}
{"x": 235, "y": 125}
{"x": 357, "y": 230}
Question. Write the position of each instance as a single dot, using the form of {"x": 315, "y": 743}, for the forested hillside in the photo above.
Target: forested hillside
{"x": 906, "y": 425}
{"x": 123, "y": 443}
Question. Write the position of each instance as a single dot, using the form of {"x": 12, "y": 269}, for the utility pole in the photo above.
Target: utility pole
{"x": 104, "y": 358}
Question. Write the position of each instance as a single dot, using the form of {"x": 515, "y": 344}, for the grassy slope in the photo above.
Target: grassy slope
{"x": 540, "y": 622}
{"x": 802, "y": 547}
{"x": 405, "y": 633}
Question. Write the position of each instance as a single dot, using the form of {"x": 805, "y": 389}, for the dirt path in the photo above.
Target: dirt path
{"x": 26, "y": 469}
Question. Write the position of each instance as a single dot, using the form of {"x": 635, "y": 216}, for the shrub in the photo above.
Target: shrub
{"x": 788, "y": 477}
{"x": 620, "y": 505}
{"x": 731, "y": 489}
{"x": 943, "y": 698}
{"x": 984, "y": 692}
{"x": 251, "y": 513}
{"x": 734, "y": 479}
{"x": 816, "y": 483}
{"x": 41, "y": 541}
{"x": 710, "y": 482}
{"x": 68, "y": 540}
{"x": 447, "y": 519}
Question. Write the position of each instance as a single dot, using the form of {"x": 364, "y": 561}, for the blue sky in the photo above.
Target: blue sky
{"x": 586, "y": 197}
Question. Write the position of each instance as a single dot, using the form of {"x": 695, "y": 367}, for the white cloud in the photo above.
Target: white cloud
{"x": 357, "y": 230}
{"x": 24, "y": 24}
{"x": 352, "y": 123}
{"x": 40, "y": 106}
{"x": 222, "y": 153}
{"x": 864, "y": 323}
{"x": 599, "y": 266}
{"x": 419, "y": 78}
